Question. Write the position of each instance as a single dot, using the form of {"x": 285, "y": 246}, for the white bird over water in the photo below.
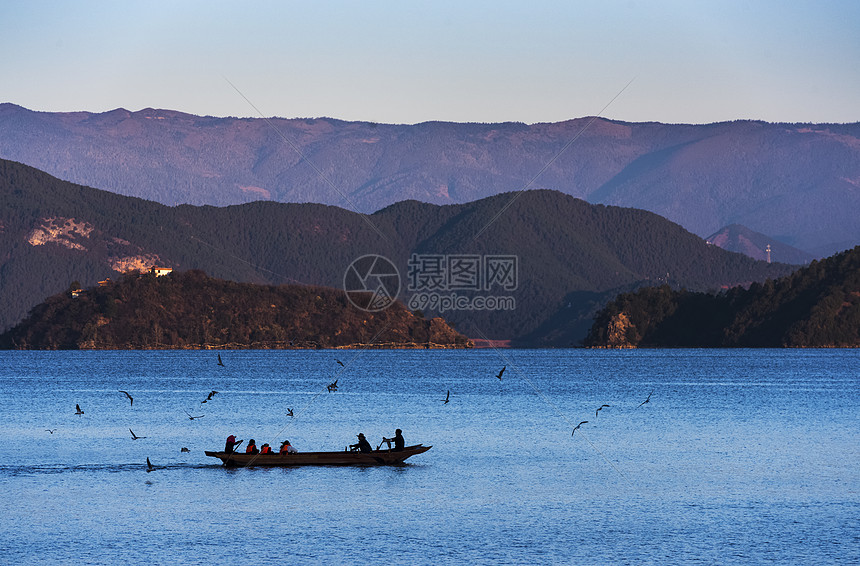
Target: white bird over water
{"x": 78, "y": 410}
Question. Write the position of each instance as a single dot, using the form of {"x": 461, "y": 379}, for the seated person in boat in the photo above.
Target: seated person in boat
{"x": 398, "y": 441}
{"x": 287, "y": 448}
{"x": 266, "y": 449}
{"x": 362, "y": 446}
{"x": 231, "y": 444}
{"x": 252, "y": 447}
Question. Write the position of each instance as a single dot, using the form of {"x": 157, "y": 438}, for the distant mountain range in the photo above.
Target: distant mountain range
{"x": 798, "y": 183}
{"x": 740, "y": 239}
{"x": 569, "y": 257}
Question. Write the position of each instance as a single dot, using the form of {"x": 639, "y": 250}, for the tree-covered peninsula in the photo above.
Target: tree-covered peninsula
{"x": 187, "y": 310}
{"x": 815, "y": 307}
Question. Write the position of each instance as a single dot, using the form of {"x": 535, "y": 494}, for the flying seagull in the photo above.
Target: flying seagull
{"x": 332, "y": 386}
{"x": 220, "y": 363}
{"x": 134, "y": 436}
{"x": 190, "y": 418}
{"x": 577, "y": 427}
{"x": 78, "y": 410}
{"x": 646, "y": 400}
{"x": 289, "y": 412}
{"x": 130, "y": 398}
{"x": 600, "y": 408}
{"x": 447, "y": 397}
{"x": 209, "y": 397}
{"x": 51, "y": 430}
{"x": 149, "y": 466}
{"x": 341, "y": 363}
{"x": 501, "y": 372}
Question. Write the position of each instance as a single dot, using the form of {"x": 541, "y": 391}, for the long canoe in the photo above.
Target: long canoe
{"x": 374, "y": 458}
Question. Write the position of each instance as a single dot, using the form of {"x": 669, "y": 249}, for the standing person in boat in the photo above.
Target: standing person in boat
{"x": 363, "y": 445}
{"x": 231, "y": 444}
{"x": 287, "y": 448}
{"x": 252, "y": 447}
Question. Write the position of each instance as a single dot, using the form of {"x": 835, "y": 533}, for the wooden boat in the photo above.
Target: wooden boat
{"x": 374, "y": 458}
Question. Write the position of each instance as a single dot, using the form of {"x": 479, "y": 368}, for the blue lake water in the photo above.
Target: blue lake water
{"x": 740, "y": 457}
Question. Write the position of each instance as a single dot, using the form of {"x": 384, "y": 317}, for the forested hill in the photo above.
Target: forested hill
{"x": 797, "y": 183}
{"x": 192, "y": 310}
{"x": 571, "y": 256}
{"x": 817, "y": 306}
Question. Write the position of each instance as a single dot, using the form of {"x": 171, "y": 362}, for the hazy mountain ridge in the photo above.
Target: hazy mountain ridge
{"x": 572, "y": 256}
{"x": 740, "y": 239}
{"x": 798, "y": 183}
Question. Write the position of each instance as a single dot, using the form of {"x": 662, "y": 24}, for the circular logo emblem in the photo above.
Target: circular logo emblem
{"x": 371, "y": 283}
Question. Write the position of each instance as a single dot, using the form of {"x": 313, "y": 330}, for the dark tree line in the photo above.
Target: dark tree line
{"x": 191, "y": 310}
{"x": 816, "y": 306}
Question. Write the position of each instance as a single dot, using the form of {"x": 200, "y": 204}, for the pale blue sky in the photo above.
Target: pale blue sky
{"x": 405, "y": 62}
